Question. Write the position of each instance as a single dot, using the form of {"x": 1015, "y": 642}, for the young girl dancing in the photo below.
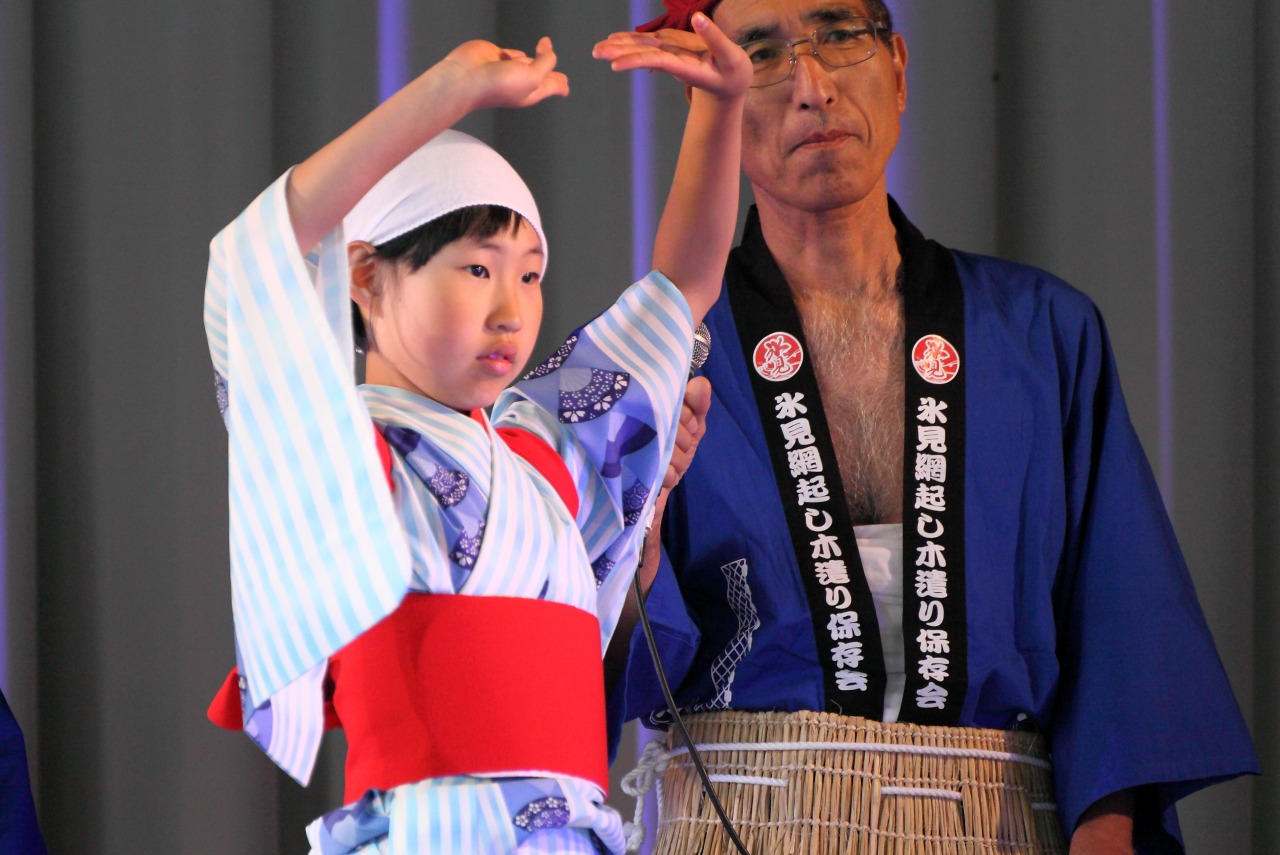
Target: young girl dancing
{"x": 437, "y": 581}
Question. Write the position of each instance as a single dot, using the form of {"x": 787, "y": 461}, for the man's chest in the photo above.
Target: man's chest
{"x": 855, "y": 343}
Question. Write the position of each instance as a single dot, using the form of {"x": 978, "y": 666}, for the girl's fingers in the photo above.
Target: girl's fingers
{"x": 680, "y": 38}
{"x": 662, "y": 38}
{"x": 613, "y": 51}
{"x": 558, "y": 83}
{"x": 707, "y": 59}
{"x": 697, "y": 397}
{"x": 685, "y": 66}
{"x": 626, "y": 39}
{"x": 544, "y": 57}
{"x": 649, "y": 60}
{"x": 722, "y": 47}
{"x": 555, "y": 83}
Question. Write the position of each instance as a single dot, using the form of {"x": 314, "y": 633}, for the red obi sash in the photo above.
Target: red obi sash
{"x": 457, "y": 685}
{"x": 461, "y": 685}
{"x": 453, "y": 685}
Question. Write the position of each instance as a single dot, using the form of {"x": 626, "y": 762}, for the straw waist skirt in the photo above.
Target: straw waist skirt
{"x": 819, "y": 783}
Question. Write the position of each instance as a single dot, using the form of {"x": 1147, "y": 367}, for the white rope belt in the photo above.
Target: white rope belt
{"x": 877, "y": 747}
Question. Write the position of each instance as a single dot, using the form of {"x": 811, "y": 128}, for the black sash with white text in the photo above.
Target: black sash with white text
{"x": 808, "y": 479}
{"x": 813, "y": 497}
{"x": 934, "y": 620}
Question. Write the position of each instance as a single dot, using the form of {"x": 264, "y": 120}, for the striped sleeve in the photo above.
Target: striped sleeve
{"x": 609, "y": 401}
{"x": 317, "y": 554}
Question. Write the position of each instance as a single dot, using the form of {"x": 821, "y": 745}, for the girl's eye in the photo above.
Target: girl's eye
{"x": 530, "y": 278}
{"x": 479, "y": 271}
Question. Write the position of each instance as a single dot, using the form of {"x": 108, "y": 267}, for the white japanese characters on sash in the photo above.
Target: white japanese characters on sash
{"x": 929, "y": 516}
{"x": 846, "y": 630}
{"x": 826, "y": 556}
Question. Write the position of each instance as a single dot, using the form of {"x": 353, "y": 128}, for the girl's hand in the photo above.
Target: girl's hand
{"x": 693, "y": 424}
{"x": 503, "y": 77}
{"x": 705, "y": 58}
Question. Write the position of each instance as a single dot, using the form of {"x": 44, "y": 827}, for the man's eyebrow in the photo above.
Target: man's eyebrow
{"x": 827, "y": 14}
{"x": 773, "y": 29}
{"x": 769, "y": 30}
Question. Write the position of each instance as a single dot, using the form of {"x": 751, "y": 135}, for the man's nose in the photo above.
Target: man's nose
{"x": 814, "y": 87}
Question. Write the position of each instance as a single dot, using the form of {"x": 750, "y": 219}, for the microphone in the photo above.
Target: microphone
{"x": 701, "y": 348}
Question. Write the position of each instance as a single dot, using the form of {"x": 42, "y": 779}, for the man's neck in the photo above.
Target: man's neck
{"x": 850, "y": 248}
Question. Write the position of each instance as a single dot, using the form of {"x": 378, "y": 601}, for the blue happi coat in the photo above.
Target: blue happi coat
{"x": 1082, "y": 618}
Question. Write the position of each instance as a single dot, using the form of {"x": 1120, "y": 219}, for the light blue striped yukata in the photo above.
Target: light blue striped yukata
{"x": 321, "y": 550}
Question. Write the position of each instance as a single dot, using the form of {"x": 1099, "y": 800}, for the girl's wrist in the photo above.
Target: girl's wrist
{"x": 450, "y": 88}
{"x": 723, "y": 102}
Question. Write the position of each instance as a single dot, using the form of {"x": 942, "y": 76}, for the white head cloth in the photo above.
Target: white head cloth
{"x": 450, "y": 172}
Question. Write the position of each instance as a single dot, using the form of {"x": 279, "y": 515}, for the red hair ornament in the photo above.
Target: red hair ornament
{"x": 679, "y": 15}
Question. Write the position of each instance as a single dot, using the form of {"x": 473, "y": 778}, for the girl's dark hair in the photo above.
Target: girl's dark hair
{"x": 415, "y": 248}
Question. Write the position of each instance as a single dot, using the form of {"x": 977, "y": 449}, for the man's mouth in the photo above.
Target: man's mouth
{"x": 822, "y": 139}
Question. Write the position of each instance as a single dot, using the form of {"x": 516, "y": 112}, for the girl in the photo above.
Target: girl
{"x": 453, "y": 623}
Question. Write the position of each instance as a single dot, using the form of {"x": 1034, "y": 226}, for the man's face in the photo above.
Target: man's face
{"x": 821, "y": 139}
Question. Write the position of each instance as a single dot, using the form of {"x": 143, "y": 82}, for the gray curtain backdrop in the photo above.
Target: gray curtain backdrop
{"x": 131, "y": 132}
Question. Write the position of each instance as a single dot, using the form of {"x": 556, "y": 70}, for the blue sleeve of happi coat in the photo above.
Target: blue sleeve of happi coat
{"x": 1143, "y": 698}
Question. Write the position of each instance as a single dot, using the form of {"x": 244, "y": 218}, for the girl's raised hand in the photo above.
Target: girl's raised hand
{"x": 504, "y": 77}
{"x": 705, "y": 59}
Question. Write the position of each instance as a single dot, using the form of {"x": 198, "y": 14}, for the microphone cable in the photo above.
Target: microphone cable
{"x": 679, "y": 722}
{"x": 701, "y": 349}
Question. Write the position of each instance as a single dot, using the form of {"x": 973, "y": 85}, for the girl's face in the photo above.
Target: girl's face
{"x": 460, "y": 328}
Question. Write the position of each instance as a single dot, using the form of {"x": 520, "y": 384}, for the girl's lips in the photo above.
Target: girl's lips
{"x": 498, "y": 361}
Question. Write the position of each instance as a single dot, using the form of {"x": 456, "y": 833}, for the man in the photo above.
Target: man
{"x": 964, "y": 415}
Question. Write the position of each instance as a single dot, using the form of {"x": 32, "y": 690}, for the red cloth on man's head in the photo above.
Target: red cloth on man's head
{"x": 678, "y": 15}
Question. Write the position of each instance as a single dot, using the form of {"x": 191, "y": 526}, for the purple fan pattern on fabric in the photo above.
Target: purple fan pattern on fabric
{"x": 549, "y": 812}
{"x": 633, "y": 503}
{"x": 448, "y": 486}
{"x": 595, "y": 399}
{"x": 631, "y": 437}
{"x": 401, "y": 439}
{"x": 467, "y": 548}
{"x": 601, "y": 568}
{"x": 220, "y": 390}
{"x": 345, "y": 829}
{"x": 555, "y": 360}
{"x": 258, "y": 726}
{"x": 462, "y": 509}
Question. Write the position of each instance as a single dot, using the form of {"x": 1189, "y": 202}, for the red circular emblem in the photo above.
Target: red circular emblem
{"x": 778, "y": 356}
{"x": 935, "y": 359}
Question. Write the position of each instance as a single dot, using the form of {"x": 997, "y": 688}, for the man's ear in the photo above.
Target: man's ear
{"x": 900, "y": 70}
{"x": 362, "y": 261}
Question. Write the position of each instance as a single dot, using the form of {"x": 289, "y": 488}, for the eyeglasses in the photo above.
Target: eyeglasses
{"x": 845, "y": 42}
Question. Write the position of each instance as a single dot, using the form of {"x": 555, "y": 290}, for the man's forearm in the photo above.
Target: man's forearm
{"x": 1106, "y": 828}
